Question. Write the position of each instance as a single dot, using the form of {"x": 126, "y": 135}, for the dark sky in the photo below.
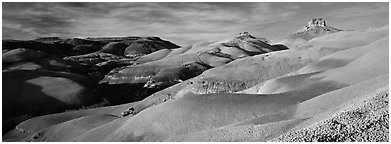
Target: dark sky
{"x": 182, "y": 23}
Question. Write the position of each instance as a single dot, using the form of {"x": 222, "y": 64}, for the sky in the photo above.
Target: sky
{"x": 182, "y": 23}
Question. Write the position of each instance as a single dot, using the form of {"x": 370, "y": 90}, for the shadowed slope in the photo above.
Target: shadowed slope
{"x": 27, "y": 59}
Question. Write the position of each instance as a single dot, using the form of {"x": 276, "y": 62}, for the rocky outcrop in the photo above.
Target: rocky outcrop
{"x": 317, "y": 22}
{"x": 316, "y": 27}
{"x": 245, "y": 35}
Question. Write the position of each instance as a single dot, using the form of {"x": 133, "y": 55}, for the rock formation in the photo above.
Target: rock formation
{"x": 317, "y": 22}
{"x": 316, "y": 27}
{"x": 245, "y": 34}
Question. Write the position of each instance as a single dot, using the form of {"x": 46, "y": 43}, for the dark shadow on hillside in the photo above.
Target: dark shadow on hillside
{"x": 278, "y": 47}
{"x": 17, "y": 108}
{"x": 23, "y": 100}
{"x": 126, "y": 92}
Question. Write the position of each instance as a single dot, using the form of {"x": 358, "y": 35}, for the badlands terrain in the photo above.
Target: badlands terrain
{"x": 317, "y": 84}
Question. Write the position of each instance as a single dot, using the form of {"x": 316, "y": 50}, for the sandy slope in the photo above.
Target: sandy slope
{"x": 36, "y": 124}
{"x": 312, "y": 110}
{"x": 61, "y": 132}
{"x": 154, "y": 56}
{"x": 246, "y": 72}
{"x": 364, "y": 121}
{"x": 304, "y": 114}
{"x": 345, "y": 67}
{"x": 369, "y": 66}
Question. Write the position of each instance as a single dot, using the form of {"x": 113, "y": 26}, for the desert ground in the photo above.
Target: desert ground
{"x": 319, "y": 83}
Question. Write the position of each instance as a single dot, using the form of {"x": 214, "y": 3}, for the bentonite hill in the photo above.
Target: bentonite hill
{"x": 319, "y": 83}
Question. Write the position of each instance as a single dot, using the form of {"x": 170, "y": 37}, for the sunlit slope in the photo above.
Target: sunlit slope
{"x": 196, "y": 113}
{"x": 244, "y": 73}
